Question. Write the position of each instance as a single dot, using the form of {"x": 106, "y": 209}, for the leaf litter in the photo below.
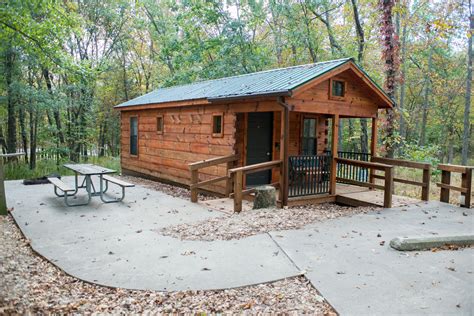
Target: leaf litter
{"x": 31, "y": 285}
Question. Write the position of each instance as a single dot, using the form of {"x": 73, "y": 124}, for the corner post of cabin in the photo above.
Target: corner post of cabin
{"x": 284, "y": 144}
{"x": 373, "y": 147}
{"x": 334, "y": 149}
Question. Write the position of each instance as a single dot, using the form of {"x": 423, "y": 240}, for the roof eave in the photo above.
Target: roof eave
{"x": 281, "y": 93}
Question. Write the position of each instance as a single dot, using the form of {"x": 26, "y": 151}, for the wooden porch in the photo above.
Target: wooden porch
{"x": 357, "y": 183}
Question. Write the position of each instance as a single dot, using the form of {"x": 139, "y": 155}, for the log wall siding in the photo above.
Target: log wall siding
{"x": 359, "y": 100}
{"x": 187, "y": 137}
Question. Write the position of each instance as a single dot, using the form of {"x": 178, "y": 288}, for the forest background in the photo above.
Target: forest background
{"x": 65, "y": 64}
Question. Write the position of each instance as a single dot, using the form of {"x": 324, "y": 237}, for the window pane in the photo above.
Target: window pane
{"x": 133, "y": 136}
{"x": 338, "y": 88}
{"x": 309, "y": 127}
{"x": 159, "y": 124}
{"x": 217, "y": 124}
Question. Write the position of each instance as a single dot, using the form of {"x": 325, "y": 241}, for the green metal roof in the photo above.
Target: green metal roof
{"x": 275, "y": 82}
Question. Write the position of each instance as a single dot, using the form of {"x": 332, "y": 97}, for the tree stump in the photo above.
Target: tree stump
{"x": 265, "y": 197}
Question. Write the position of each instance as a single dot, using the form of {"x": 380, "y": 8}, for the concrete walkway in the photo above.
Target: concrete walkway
{"x": 118, "y": 244}
{"x": 360, "y": 274}
{"x": 347, "y": 259}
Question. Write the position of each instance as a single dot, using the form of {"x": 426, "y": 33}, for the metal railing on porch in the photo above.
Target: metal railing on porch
{"x": 309, "y": 175}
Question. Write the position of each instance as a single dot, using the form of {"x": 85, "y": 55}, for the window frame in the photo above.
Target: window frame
{"x": 130, "y": 135}
{"x": 221, "y": 133}
{"x": 160, "y": 129}
{"x": 315, "y": 138}
{"x": 336, "y": 97}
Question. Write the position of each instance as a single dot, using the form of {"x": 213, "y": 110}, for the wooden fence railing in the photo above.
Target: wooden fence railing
{"x": 195, "y": 166}
{"x": 238, "y": 178}
{"x": 425, "y": 182}
{"x": 372, "y": 166}
{"x": 466, "y": 183}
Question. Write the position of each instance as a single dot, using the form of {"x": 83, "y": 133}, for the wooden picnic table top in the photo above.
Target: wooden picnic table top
{"x": 89, "y": 169}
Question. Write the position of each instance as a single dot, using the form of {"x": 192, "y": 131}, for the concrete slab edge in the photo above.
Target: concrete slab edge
{"x": 423, "y": 243}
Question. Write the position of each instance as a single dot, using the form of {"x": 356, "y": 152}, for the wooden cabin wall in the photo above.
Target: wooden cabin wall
{"x": 187, "y": 138}
{"x": 360, "y": 100}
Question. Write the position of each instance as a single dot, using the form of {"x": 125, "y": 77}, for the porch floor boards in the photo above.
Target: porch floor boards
{"x": 357, "y": 196}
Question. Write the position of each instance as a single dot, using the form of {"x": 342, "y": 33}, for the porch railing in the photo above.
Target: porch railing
{"x": 386, "y": 187}
{"x": 194, "y": 167}
{"x": 345, "y": 171}
{"x": 309, "y": 175}
{"x": 237, "y": 174}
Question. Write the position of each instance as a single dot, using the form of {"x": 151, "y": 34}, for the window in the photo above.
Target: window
{"x": 309, "y": 139}
{"x": 134, "y": 136}
{"x": 217, "y": 128}
{"x": 159, "y": 124}
{"x": 338, "y": 89}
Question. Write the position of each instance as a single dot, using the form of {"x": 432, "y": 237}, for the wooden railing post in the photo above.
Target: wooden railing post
{"x": 466, "y": 182}
{"x": 238, "y": 183}
{"x": 425, "y": 190}
{"x": 387, "y": 197}
{"x": 228, "y": 183}
{"x": 445, "y": 179}
{"x": 194, "y": 180}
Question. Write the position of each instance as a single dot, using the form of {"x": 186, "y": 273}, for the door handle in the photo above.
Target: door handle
{"x": 268, "y": 154}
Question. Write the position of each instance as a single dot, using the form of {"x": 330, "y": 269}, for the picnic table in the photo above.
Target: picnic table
{"x": 89, "y": 170}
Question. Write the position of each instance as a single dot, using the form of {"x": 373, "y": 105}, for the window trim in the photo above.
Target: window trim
{"x": 304, "y": 117}
{"x": 162, "y": 129}
{"x": 335, "y": 97}
{"x": 130, "y": 136}
{"x": 221, "y": 134}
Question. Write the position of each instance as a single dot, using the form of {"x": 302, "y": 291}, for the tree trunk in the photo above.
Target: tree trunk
{"x": 391, "y": 59}
{"x": 56, "y": 115}
{"x": 11, "y": 113}
{"x": 364, "y": 137}
{"x": 3, "y": 144}
{"x": 426, "y": 100}
{"x": 33, "y": 133}
{"x": 467, "y": 105}
{"x": 401, "y": 102}
{"x": 24, "y": 139}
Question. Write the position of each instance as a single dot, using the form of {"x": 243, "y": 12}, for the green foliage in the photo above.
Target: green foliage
{"x": 72, "y": 61}
{"x": 19, "y": 170}
{"x": 428, "y": 154}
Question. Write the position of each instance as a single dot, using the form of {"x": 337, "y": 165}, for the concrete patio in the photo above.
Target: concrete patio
{"x": 347, "y": 259}
{"x": 119, "y": 244}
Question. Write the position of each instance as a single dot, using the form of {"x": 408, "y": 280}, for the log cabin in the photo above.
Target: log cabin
{"x": 277, "y": 127}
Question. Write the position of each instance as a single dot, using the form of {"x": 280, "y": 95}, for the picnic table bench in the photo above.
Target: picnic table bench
{"x": 89, "y": 170}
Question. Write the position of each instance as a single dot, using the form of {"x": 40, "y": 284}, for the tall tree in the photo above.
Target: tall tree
{"x": 390, "y": 56}
{"x": 467, "y": 104}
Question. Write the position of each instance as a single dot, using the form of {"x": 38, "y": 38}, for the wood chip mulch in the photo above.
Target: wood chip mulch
{"x": 29, "y": 284}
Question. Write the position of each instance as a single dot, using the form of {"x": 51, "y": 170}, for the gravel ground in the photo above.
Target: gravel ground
{"x": 247, "y": 223}
{"x": 30, "y": 284}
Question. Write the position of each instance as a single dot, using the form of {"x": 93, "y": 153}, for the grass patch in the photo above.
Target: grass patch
{"x": 16, "y": 170}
